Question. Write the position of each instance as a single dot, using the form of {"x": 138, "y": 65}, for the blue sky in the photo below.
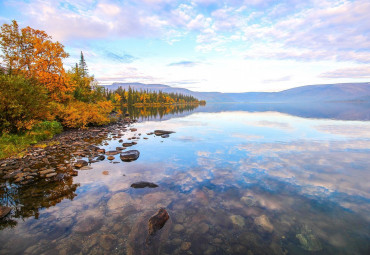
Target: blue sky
{"x": 208, "y": 45}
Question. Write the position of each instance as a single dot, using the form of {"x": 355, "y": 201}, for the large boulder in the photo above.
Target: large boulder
{"x": 130, "y": 155}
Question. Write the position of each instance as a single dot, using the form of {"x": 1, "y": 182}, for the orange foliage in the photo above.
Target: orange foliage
{"x": 32, "y": 53}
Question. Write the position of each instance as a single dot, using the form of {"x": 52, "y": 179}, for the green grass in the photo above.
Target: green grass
{"x": 14, "y": 144}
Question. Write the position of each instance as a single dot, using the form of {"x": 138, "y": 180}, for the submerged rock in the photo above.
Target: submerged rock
{"x": 308, "y": 240}
{"x": 157, "y": 221}
{"x": 139, "y": 185}
{"x": 162, "y": 132}
{"x": 4, "y": 211}
{"x": 127, "y": 144}
{"x": 100, "y": 158}
{"x": 237, "y": 220}
{"x": 130, "y": 155}
{"x": 88, "y": 225}
{"x": 112, "y": 153}
{"x": 165, "y": 136}
{"x": 264, "y": 222}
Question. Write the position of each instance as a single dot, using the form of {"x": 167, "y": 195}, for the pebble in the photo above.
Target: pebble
{"x": 185, "y": 246}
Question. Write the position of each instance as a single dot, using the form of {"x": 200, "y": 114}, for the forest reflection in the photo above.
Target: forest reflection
{"x": 150, "y": 113}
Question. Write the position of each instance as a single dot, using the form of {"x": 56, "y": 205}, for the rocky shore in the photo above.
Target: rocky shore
{"x": 63, "y": 155}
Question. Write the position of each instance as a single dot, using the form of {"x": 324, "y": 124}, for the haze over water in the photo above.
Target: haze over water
{"x": 233, "y": 180}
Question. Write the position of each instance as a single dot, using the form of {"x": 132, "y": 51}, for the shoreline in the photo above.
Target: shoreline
{"x": 56, "y": 160}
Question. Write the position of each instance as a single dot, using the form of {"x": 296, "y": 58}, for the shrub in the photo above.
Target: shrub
{"x": 23, "y": 103}
{"x": 77, "y": 114}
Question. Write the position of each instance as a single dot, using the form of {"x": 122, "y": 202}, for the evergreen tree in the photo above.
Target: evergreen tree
{"x": 83, "y": 66}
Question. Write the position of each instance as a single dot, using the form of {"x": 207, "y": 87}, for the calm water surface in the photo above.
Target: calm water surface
{"x": 233, "y": 182}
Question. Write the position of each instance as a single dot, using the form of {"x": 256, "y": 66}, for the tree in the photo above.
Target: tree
{"x": 32, "y": 53}
{"x": 82, "y": 66}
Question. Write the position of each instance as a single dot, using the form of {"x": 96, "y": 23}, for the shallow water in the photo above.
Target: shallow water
{"x": 233, "y": 180}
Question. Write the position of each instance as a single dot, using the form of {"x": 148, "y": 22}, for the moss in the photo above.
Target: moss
{"x": 15, "y": 144}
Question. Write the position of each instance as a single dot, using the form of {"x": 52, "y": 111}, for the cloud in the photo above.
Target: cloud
{"x": 184, "y": 63}
{"x": 362, "y": 72}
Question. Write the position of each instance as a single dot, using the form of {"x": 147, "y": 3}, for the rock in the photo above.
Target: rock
{"x": 47, "y": 171}
{"x": 107, "y": 242}
{"x": 87, "y": 225}
{"x": 4, "y": 211}
{"x": 139, "y": 185}
{"x": 112, "y": 153}
{"x": 80, "y": 163}
{"x": 105, "y": 172}
{"x": 308, "y": 240}
{"x": 264, "y": 222}
{"x": 185, "y": 246}
{"x": 162, "y": 132}
{"x": 165, "y": 136}
{"x": 237, "y": 220}
{"x": 73, "y": 173}
{"x": 157, "y": 221}
{"x": 120, "y": 148}
{"x": 101, "y": 150}
{"x": 203, "y": 228}
{"x": 133, "y": 129}
{"x": 130, "y": 155}
{"x": 119, "y": 200}
{"x": 110, "y": 157}
{"x": 86, "y": 168}
{"x": 127, "y": 144}
{"x": 50, "y": 175}
{"x": 178, "y": 228}
{"x": 100, "y": 158}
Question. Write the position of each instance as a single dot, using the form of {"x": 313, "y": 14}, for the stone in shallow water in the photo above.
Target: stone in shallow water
{"x": 237, "y": 220}
{"x": 264, "y": 222}
{"x": 81, "y": 163}
{"x": 308, "y": 240}
{"x": 185, "y": 246}
{"x": 4, "y": 211}
{"x": 139, "y": 185}
{"x": 112, "y": 153}
{"x": 157, "y": 221}
{"x": 130, "y": 155}
{"x": 178, "y": 228}
{"x": 101, "y": 157}
{"x": 119, "y": 200}
{"x": 162, "y": 132}
{"x": 87, "y": 225}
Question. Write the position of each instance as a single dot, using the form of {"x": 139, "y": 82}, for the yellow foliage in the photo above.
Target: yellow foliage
{"x": 79, "y": 114}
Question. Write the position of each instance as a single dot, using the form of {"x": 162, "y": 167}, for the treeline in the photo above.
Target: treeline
{"x": 133, "y": 97}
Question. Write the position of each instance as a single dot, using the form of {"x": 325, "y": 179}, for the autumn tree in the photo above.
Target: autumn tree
{"x": 32, "y": 53}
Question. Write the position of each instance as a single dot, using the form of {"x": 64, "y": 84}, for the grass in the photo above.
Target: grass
{"x": 15, "y": 144}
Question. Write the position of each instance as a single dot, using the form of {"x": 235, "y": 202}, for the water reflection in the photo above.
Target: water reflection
{"x": 161, "y": 112}
{"x": 232, "y": 182}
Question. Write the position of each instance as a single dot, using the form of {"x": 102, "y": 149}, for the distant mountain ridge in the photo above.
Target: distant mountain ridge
{"x": 309, "y": 93}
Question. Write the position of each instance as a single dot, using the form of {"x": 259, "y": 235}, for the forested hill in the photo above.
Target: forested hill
{"x": 310, "y": 93}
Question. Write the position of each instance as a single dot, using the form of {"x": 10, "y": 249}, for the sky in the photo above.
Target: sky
{"x": 208, "y": 45}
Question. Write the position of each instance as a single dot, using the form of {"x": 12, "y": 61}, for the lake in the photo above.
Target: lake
{"x": 234, "y": 179}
